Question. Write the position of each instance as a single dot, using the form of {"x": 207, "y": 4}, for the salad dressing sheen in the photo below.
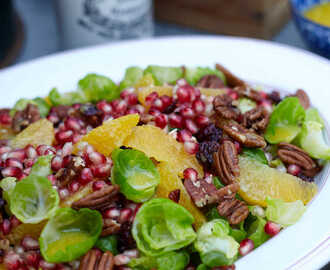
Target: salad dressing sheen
{"x": 320, "y": 14}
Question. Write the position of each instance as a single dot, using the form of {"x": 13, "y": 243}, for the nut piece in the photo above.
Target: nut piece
{"x": 256, "y": 119}
{"x": 291, "y": 154}
{"x": 110, "y": 226}
{"x": 98, "y": 200}
{"x": 239, "y": 133}
{"x": 22, "y": 119}
{"x": 226, "y": 162}
{"x": 246, "y": 91}
{"x": 303, "y": 98}
{"x": 68, "y": 174}
{"x": 95, "y": 260}
{"x": 227, "y": 192}
{"x": 231, "y": 79}
{"x": 234, "y": 210}
{"x": 175, "y": 195}
{"x": 223, "y": 106}
{"x": 201, "y": 191}
{"x": 210, "y": 81}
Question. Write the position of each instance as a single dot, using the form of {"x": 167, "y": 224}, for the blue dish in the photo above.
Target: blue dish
{"x": 316, "y": 36}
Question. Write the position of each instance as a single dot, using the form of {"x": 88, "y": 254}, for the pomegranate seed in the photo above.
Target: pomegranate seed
{"x": 72, "y": 124}
{"x": 5, "y": 119}
{"x": 4, "y": 149}
{"x": 181, "y": 82}
{"x": 46, "y": 265}
{"x": 77, "y": 137}
{"x": 187, "y": 113}
{"x": 263, "y": 94}
{"x": 132, "y": 253}
{"x": 32, "y": 259}
{"x": 28, "y": 163}
{"x": 175, "y": 120}
{"x": 66, "y": 161}
{"x": 267, "y": 104}
{"x": 85, "y": 176}
{"x": 56, "y": 163}
{"x": 246, "y": 246}
{"x": 191, "y": 126}
{"x": 150, "y": 98}
{"x": 154, "y": 112}
{"x": 294, "y": 169}
{"x": 6, "y": 226}
{"x": 63, "y": 193}
{"x": 184, "y": 136}
{"x": 112, "y": 213}
{"x": 139, "y": 108}
{"x": 191, "y": 147}
{"x": 167, "y": 101}
{"x": 101, "y": 170}
{"x": 53, "y": 118}
{"x": 233, "y": 95}
{"x": 95, "y": 158}
{"x": 97, "y": 185}
{"x": 19, "y": 154}
{"x": 12, "y": 172}
{"x": 158, "y": 104}
{"x": 76, "y": 106}
{"x": 225, "y": 267}
{"x": 104, "y": 107}
{"x": 132, "y": 111}
{"x": 42, "y": 149}
{"x": 190, "y": 174}
{"x": 125, "y": 215}
{"x": 30, "y": 151}
{"x": 28, "y": 243}
{"x": 13, "y": 162}
{"x": 161, "y": 120}
{"x": 198, "y": 106}
{"x": 272, "y": 228}
{"x": 12, "y": 261}
{"x": 64, "y": 136}
{"x": 14, "y": 221}
{"x": 127, "y": 92}
{"x": 52, "y": 179}
{"x": 121, "y": 107}
{"x": 131, "y": 99}
{"x": 183, "y": 94}
{"x": 67, "y": 149}
{"x": 74, "y": 186}
{"x": 202, "y": 121}
{"x": 121, "y": 259}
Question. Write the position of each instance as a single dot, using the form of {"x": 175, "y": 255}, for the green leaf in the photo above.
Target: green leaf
{"x": 163, "y": 74}
{"x": 212, "y": 214}
{"x": 42, "y": 167}
{"x": 217, "y": 182}
{"x": 135, "y": 173}
{"x": 132, "y": 76}
{"x": 256, "y": 154}
{"x": 284, "y": 124}
{"x": 33, "y": 199}
{"x": 312, "y": 114}
{"x": 43, "y": 106}
{"x": 246, "y": 104}
{"x": 193, "y": 75}
{"x": 284, "y": 213}
{"x": 97, "y": 87}
{"x": 202, "y": 267}
{"x": 69, "y": 234}
{"x": 173, "y": 261}
{"x": 143, "y": 263}
{"x": 7, "y": 185}
{"x": 161, "y": 226}
{"x": 107, "y": 243}
{"x": 68, "y": 98}
{"x": 238, "y": 233}
{"x": 257, "y": 233}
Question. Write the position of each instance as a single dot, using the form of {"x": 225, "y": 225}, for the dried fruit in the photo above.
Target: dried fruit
{"x": 206, "y": 151}
{"x": 40, "y": 132}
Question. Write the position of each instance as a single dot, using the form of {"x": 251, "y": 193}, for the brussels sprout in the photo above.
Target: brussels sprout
{"x": 68, "y": 98}
{"x": 132, "y": 76}
{"x": 257, "y": 233}
{"x": 43, "y": 106}
{"x": 215, "y": 246}
{"x": 256, "y": 154}
{"x": 193, "y": 75}
{"x": 161, "y": 226}
{"x": 97, "y": 87}
{"x": 202, "y": 267}
{"x": 284, "y": 123}
{"x": 7, "y": 184}
{"x": 173, "y": 261}
{"x": 135, "y": 173}
{"x": 69, "y": 234}
{"x": 163, "y": 75}
{"x": 312, "y": 114}
{"x": 245, "y": 104}
{"x": 238, "y": 233}
{"x": 42, "y": 166}
{"x": 20, "y": 105}
{"x": 107, "y": 243}
{"x": 284, "y": 213}
{"x": 33, "y": 199}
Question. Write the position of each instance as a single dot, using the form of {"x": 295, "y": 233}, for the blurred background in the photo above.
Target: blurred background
{"x": 34, "y": 28}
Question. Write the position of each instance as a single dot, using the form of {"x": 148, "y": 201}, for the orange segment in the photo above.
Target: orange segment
{"x": 154, "y": 142}
{"x": 67, "y": 202}
{"x": 211, "y": 92}
{"x": 18, "y": 233}
{"x": 170, "y": 181}
{"x": 257, "y": 181}
{"x": 111, "y": 134}
{"x": 146, "y": 80}
{"x": 6, "y": 133}
{"x": 40, "y": 132}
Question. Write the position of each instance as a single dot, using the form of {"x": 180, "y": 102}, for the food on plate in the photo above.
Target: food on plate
{"x": 172, "y": 168}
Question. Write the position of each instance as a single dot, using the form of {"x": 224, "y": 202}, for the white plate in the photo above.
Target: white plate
{"x": 256, "y": 61}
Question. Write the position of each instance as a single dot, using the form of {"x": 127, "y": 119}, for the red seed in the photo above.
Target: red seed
{"x": 104, "y": 107}
{"x": 43, "y": 149}
{"x": 95, "y": 158}
{"x": 63, "y": 193}
{"x": 52, "y": 179}
{"x": 64, "y": 136}
{"x": 97, "y": 185}
{"x": 13, "y": 162}
{"x": 272, "y": 228}
{"x": 74, "y": 186}
{"x": 77, "y": 137}
{"x": 175, "y": 120}
{"x": 85, "y": 176}
{"x": 126, "y": 92}
{"x": 202, "y": 121}
{"x": 53, "y": 118}
{"x": 157, "y": 104}
{"x": 29, "y": 243}
{"x": 6, "y": 226}
{"x": 161, "y": 120}
{"x": 125, "y": 215}
{"x": 121, "y": 259}
{"x": 167, "y": 101}
{"x": 191, "y": 147}
{"x": 294, "y": 169}
{"x": 30, "y": 151}
{"x": 154, "y": 112}
{"x": 121, "y": 107}
{"x": 181, "y": 82}
{"x": 46, "y": 265}
{"x": 150, "y": 98}
{"x": 67, "y": 149}
{"x": 131, "y": 99}
{"x": 132, "y": 111}
{"x": 76, "y": 106}
{"x": 101, "y": 170}
{"x": 12, "y": 172}
{"x": 184, "y": 136}
{"x": 12, "y": 261}
{"x": 191, "y": 126}
{"x": 187, "y": 113}
{"x": 72, "y": 124}
{"x": 267, "y": 104}
{"x": 190, "y": 174}
{"x": 5, "y": 119}
{"x": 139, "y": 108}
{"x": 246, "y": 246}
{"x": 233, "y": 95}
{"x": 4, "y": 149}
{"x": 183, "y": 94}
{"x": 29, "y": 162}
{"x": 112, "y": 213}
{"x": 19, "y": 154}
{"x": 56, "y": 163}
{"x": 198, "y": 106}
{"x": 32, "y": 258}
{"x": 14, "y": 221}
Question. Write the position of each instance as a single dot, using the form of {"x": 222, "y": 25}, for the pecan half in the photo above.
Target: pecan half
{"x": 227, "y": 192}
{"x": 98, "y": 200}
{"x": 303, "y": 98}
{"x": 223, "y": 106}
{"x": 231, "y": 79}
{"x": 210, "y": 81}
{"x": 95, "y": 260}
{"x": 244, "y": 136}
{"x": 247, "y": 91}
{"x": 256, "y": 119}
{"x": 72, "y": 170}
{"x": 233, "y": 209}
{"x": 26, "y": 117}
{"x": 226, "y": 162}
{"x": 201, "y": 191}
{"x": 110, "y": 226}
{"x": 291, "y": 154}
{"x": 174, "y": 195}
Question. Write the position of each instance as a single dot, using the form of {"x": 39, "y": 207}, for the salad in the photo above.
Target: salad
{"x": 173, "y": 168}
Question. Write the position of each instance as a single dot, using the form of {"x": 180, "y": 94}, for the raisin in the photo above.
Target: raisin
{"x": 205, "y": 152}
{"x": 275, "y": 97}
{"x": 125, "y": 238}
{"x": 210, "y": 133}
{"x": 170, "y": 108}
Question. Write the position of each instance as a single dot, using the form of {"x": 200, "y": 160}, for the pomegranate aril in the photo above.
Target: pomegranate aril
{"x": 14, "y": 221}
{"x": 167, "y": 101}
{"x": 131, "y": 99}
{"x": 63, "y": 193}
{"x": 13, "y": 162}
{"x": 154, "y": 112}
{"x": 12, "y": 261}
{"x": 158, "y": 104}
{"x": 77, "y": 137}
{"x": 191, "y": 126}
{"x": 72, "y": 124}
{"x": 112, "y": 213}
{"x": 267, "y": 105}
{"x": 12, "y": 172}
{"x": 191, "y": 147}
{"x": 6, "y": 226}
{"x": 127, "y": 92}
{"x": 202, "y": 121}
{"x": 46, "y": 265}
{"x": 246, "y": 246}
{"x": 19, "y": 154}
{"x": 74, "y": 186}
{"x": 294, "y": 169}
{"x": 125, "y": 215}
{"x": 43, "y": 149}
{"x": 175, "y": 120}
{"x": 66, "y": 161}
{"x": 190, "y": 174}
{"x": 64, "y": 136}
{"x": 272, "y": 228}
{"x": 5, "y": 119}
{"x": 30, "y": 151}
{"x": 32, "y": 258}
{"x": 132, "y": 111}
{"x": 198, "y": 106}
{"x": 132, "y": 253}
{"x": 184, "y": 135}
{"x": 52, "y": 179}
{"x": 104, "y": 107}
{"x": 56, "y": 163}
{"x": 233, "y": 94}
{"x": 95, "y": 158}
{"x": 67, "y": 149}
{"x": 151, "y": 97}
{"x": 29, "y": 243}
{"x": 4, "y": 149}
{"x": 183, "y": 93}
{"x": 101, "y": 170}
{"x": 97, "y": 185}
{"x": 187, "y": 113}
{"x": 53, "y": 118}
{"x": 161, "y": 120}
{"x": 121, "y": 107}
{"x": 121, "y": 259}
{"x": 139, "y": 108}
{"x": 85, "y": 176}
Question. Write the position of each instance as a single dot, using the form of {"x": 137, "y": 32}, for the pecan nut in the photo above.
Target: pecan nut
{"x": 257, "y": 119}
{"x": 234, "y": 210}
{"x": 226, "y": 162}
{"x": 72, "y": 170}
{"x": 303, "y": 98}
{"x": 223, "y": 106}
{"x": 237, "y": 132}
{"x": 291, "y": 154}
{"x": 227, "y": 192}
{"x": 231, "y": 79}
{"x": 210, "y": 81}
{"x": 98, "y": 200}
{"x": 25, "y": 117}
{"x": 95, "y": 260}
{"x": 174, "y": 195}
{"x": 247, "y": 91}
{"x": 110, "y": 226}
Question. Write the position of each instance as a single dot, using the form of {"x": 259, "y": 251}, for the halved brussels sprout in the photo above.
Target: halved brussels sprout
{"x": 163, "y": 74}
{"x": 42, "y": 167}
{"x": 193, "y": 75}
{"x": 246, "y": 104}
{"x": 132, "y": 76}
{"x": 256, "y": 232}
{"x": 69, "y": 98}
{"x": 7, "y": 185}
{"x": 69, "y": 234}
{"x": 135, "y": 173}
